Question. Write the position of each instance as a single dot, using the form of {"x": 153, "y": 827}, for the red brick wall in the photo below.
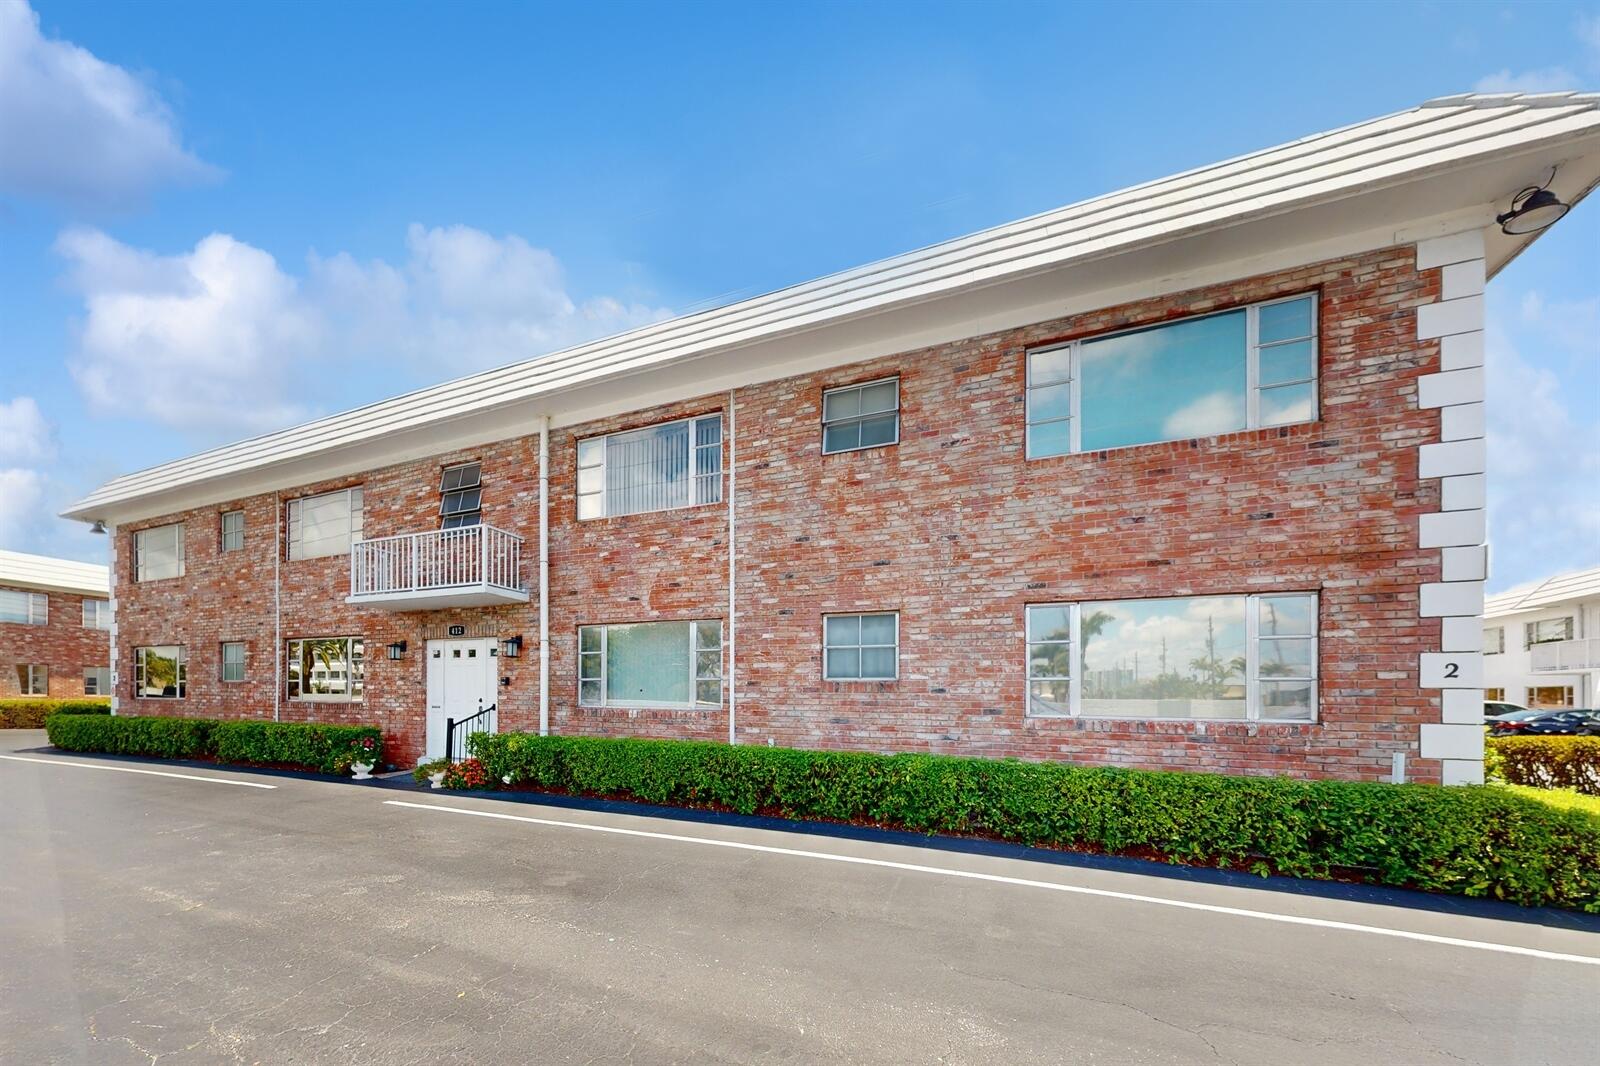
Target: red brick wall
{"x": 63, "y": 645}
{"x": 952, "y": 527}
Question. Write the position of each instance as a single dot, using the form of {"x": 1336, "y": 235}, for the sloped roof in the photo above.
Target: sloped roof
{"x": 56, "y": 575}
{"x": 1435, "y": 137}
{"x": 1550, "y": 592}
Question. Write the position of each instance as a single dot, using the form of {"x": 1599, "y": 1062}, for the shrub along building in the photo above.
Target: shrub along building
{"x": 55, "y": 622}
{"x": 1186, "y": 476}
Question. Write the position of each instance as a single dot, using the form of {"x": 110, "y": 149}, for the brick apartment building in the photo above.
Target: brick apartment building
{"x": 55, "y": 627}
{"x": 1186, "y": 476}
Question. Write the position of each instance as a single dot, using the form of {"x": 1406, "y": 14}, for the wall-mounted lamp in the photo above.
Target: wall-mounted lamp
{"x": 511, "y": 647}
{"x": 1533, "y": 209}
{"x": 397, "y": 650}
{"x": 98, "y": 527}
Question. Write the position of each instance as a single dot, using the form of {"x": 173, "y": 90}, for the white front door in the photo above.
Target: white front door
{"x": 461, "y": 682}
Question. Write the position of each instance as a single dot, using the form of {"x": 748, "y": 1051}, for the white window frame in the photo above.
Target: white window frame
{"x": 1530, "y": 629}
{"x": 237, "y": 534}
{"x": 355, "y": 513}
{"x": 1252, "y": 678}
{"x": 35, "y": 609}
{"x": 859, "y": 647}
{"x": 182, "y": 679}
{"x": 224, "y": 663}
{"x": 37, "y": 675}
{"x": 96, "y": 613}
{"x": 97, "y": 674}
{"x": 292, "y": 652}
{"x": 1494, "y": 640}
{"x": 1570, "y": 690}
{"x": 695, "y": 472}
{"x": 138, "y": 552}
{"x": 858, "y": 387}
{"x": 1253, "y": 389}
{"x": 695, "y": 676}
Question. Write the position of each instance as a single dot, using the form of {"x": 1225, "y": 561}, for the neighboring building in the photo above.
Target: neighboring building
{"x": 1541, "y": 643}
{"x": 55, "y": 627}
{"x": 1185, "y": 476}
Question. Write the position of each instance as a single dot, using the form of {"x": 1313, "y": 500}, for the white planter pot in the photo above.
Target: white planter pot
{"x": 436, "y": 780}
{"x": 363, "y": 770}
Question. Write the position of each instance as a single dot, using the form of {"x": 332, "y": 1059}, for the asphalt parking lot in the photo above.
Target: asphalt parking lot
{"x": 205, "y": 918}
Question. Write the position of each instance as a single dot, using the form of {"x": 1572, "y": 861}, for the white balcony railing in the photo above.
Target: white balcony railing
{"x": 1581, "y": 654}
{"x": 465, "y": 566}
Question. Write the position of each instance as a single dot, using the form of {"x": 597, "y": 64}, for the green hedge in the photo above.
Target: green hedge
{"x": 1468, "y": 841}
{"x": 30, "y": 713}
{"x": 313, "y": 746}
{"x": 1549, "y": 762}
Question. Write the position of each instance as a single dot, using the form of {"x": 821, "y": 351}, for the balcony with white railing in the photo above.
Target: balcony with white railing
{"x": 468, "y": 566}
{"x": 1581, "y": 654}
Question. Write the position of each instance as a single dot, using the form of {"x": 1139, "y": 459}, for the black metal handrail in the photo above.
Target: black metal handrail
{"x": 456, "y": 732}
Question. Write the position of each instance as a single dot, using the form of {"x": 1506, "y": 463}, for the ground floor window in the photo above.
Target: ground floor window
{"x": 1498, "y": 695}
{"x": 97, "y": 681}
{"x": 33, "y": 680}
{"x": 860, "y": 647}
{"x": 1200, "y": 657}
{"x": 160, "y": 672}
{"x": 1549, "y": 696}
{"x": 326, "y": 669}
{"x": 650, "y": 664}
{"x": 233, "y": 661}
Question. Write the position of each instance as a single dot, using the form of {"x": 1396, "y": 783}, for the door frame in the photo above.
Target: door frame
{"x": 434, "y": 702}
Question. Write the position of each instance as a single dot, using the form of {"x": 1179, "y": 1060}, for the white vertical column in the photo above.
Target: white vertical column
{"x": 544, "y": 575}
{"x": 1459, "y": 529}
{"x": 111, "y": 562}
{"x": 733, "y": 606}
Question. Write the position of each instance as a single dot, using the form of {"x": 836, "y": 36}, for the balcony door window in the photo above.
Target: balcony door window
{"x": 325, "y": 525}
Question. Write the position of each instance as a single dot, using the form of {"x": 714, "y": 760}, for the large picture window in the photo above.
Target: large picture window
{"x": 678, "y": 464}
{"x": 160, "y": 672}
{"x": 325, "y": 525}
{"x": 24, "y": 608}
{"x": 1206, "y": 657}
{"x": 158, "y": 553}
{"x": 1198, "y": 377}
{"x": 650, "y": 664}
{"x": 326, "y": 669}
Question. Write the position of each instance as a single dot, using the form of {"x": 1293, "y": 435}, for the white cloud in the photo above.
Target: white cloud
{"x": 1215, "y": 412}
{"x": 21, "y": 494}
{"x": 1544, "y": 464}
{"x": 1544, "y": 80}
{"x": 205, "y": 339}
{"x": 77, "y": 129}
{"x": 25, "y": 434}
{"x": 222, "y": 337}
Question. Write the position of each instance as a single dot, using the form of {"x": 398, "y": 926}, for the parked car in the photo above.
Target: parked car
{"x": 1493, "y": 709}
{"x": 1548, "y": 724}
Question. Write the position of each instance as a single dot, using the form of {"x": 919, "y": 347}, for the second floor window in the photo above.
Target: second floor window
{"x": 325, "y": 525}
{"x": 24, "y": 608}
{"x": 461, "y": 496}
{"x": 233, "y": 531}
{"x": 1244, "y": 369}
{"x": 861, "y": 416}
{"x": 97, "y": 614}
{"x": 158, "y": 553}
{"x": 1547, "y": 631}
{"x": 678, "y": 464}
{"x": 1494, "y": 640}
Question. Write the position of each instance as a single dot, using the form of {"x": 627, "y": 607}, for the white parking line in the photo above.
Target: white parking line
{"x": 132, "y": 770}
{"x": 1238, "y": 912}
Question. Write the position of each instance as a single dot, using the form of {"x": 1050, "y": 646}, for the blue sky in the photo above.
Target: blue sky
{"x": 216, "y": 219}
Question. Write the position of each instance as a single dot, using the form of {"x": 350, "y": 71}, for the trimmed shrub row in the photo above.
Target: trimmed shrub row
{"x": 312, "y": 746}
{"x": 1549, "y": 762}
{"x": 1481, "y": 842}
{"x": 30, "y": 713}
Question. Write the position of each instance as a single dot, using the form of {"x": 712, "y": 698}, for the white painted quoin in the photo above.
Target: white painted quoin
{"x": 1541, "y": 642}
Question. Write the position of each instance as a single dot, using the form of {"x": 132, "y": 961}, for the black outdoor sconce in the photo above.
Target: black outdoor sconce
{"x": 397, "y": 650}
{"x": 511, "y": 647}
